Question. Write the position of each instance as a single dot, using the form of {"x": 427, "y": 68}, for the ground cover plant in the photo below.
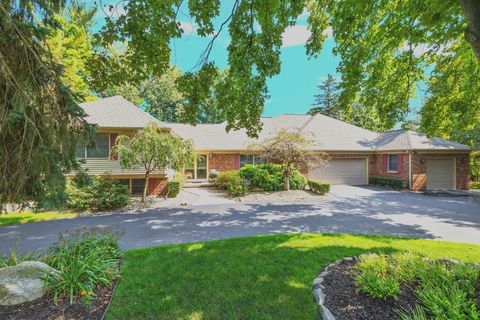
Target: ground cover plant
{"x": 263, "y": 277}
{"x": 446, "y": 290}
{"x": 20, "y": 217}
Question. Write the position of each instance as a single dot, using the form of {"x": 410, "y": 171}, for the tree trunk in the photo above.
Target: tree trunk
{"x": 286, "y": 180}
{"x": 471, "y": 12}
{"x": 145, "y": 188}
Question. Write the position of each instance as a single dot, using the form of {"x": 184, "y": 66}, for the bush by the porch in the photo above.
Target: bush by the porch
{"x": 175, "y": 185}
{"x": 269, "y": 177}
{"x": 389, "y": 182}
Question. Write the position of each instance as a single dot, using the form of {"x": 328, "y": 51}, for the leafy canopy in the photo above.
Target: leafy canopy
{"x": 378, "y": 42}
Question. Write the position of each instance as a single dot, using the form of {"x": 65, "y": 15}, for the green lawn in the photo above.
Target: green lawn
{"x": 265, "y": 277}
{"x": 29, "y": 216}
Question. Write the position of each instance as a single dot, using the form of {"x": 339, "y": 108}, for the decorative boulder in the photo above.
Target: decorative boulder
{"x": 23, "y": 282}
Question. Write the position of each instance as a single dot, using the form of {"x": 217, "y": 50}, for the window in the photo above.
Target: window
{"x": 137, "y": 186}
{"x": 250, "y": 159}
{"x": 99, "y": 148}
{"x": 392, "y": 164}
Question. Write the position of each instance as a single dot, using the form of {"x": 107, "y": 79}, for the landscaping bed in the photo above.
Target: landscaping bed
{"x": 43, "y": 308}
{"x": 399, "y": 286}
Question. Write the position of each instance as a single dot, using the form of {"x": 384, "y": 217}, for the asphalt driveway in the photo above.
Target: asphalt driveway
{"x": 346, "y": 209}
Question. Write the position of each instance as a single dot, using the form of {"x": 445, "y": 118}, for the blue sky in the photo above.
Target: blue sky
{"x": 292, "y": 90}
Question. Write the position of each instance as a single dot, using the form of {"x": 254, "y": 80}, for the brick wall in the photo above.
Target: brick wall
{"x": 223, "y": 162}
{"x": 379, "y": 167}
{"x": 157, "y": 186}
{"x": 419, "y": 169}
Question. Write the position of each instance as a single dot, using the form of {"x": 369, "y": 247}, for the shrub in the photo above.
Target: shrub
{"x": 375, "y": 276}
{"x": 212, "y": 176}
{"x": 84, "y": 262}
{"x": 389, "y": 182}
{"x": 269, "y": 177}
{"x": 102, "y": 194}
{"x": 318, "y": 187}
{"x": 236, "y": 186}
{"x": 224, "y": 177}
{"x": 474, "y": 184}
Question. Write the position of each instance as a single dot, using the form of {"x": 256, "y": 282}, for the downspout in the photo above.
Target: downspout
{"x": 410, "y": 170}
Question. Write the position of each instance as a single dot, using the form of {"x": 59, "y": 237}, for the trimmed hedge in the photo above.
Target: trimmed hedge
{"x": 389, "y": 182}
{"x": 319, "y": 186}
{"x": 474, "y": 184}
{"x": 175, "y": 185}
{"x": 224, "y": 177}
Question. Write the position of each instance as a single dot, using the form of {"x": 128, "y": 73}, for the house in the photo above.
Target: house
{"x": 356, "y": 154}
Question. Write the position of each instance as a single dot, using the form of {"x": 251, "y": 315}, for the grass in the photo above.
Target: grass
{"x": 263, "y": 277}
{"x": 30, "y": 216}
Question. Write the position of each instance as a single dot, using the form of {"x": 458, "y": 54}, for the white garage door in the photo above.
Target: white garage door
{"x": 440, "y": 173}
{"x": 342, "y": 171}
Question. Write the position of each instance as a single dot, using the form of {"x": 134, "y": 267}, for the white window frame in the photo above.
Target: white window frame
{"x": 388, "y": 164}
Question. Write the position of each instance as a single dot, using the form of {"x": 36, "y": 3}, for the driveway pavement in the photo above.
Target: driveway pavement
{"x": 346, "y": 209}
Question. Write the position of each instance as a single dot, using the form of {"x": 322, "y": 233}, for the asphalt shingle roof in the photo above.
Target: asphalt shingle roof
{"x": 329, "y": 134}
{"x": 116, "y": 112}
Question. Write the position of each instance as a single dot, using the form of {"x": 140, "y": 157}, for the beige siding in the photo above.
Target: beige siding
{"x": 99, "y": 166}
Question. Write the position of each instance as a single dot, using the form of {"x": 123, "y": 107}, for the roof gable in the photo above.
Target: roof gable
{"x": 117, "y": 112}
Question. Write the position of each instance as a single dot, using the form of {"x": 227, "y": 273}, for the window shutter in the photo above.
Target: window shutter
{"x": 113, "y": 139}
{"x": 400, "y": 163}
{"x": 385, "y": 161}
{"x": 237, "y": 162}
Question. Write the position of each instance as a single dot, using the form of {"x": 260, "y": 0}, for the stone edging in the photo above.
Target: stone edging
{"x": 318, "y": 294}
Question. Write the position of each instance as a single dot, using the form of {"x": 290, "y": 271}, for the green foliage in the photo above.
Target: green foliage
{"x": 375, "y": 276}
{"x": 291, "y": 149}
{"x": 212, "y": 176}
{"x": 70, "y": 44}
{"x": 12, "y": 259}
{"x": 269, "y": 177}
{"x": 318, "y": 186}
{"x": 175, "y": 185}
{"x": 84, "y": 262}
{"x": 153, "y": 149}
{"x": 40, "y": 120}
{"x": 102, "y": 194}
{"x": 475, "y": 166}
{"x": 446, "y": 290}
{"x": 236, "y": 185}
{"x": 474, "y": 184}
{"x": 224, "y": 177}
{"x": 394, "y": 183}
{"x": 452, "y": 107}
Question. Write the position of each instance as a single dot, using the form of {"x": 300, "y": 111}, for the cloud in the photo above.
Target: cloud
{"x": 295, "y": 36}
{"x": 188, "y": 27}
{"x": 298, "y": 35}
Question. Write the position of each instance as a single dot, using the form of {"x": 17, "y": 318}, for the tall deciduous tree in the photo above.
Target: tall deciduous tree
{"x": 153, "y": 149}
{"x": 71, "y": 46}
{"x": 39, "y": 119}
{"x": 292, "y": 149}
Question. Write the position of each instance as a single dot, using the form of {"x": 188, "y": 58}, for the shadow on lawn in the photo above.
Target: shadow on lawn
{"x": 264, "y": 277}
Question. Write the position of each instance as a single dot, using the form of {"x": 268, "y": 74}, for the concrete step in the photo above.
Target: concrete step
{"x": 200, "y": 184}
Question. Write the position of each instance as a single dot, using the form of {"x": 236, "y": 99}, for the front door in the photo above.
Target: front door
{"x": 201, "y": 167}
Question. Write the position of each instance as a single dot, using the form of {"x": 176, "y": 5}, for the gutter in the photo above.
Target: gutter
{"x": 410, "y": 170}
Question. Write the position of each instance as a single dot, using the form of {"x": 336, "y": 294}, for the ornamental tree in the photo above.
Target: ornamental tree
{"x": 153, "y": 149}
{"x": 292, "y": 149}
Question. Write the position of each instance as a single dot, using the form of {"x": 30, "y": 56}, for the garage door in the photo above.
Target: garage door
{"x": 342, "y": 171}
{"x": 440, "y": 174}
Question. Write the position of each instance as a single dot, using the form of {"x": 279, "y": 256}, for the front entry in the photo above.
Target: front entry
{"x": 199, "y": 170}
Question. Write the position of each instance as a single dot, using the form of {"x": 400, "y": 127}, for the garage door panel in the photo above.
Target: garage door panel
{"x": 440, "y": 174}
{"x": 342, "y": 171}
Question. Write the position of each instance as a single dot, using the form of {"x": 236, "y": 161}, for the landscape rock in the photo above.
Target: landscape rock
{"x": 23, "y": 282}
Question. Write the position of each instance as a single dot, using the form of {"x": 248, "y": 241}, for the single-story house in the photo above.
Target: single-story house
{"x": 356, "y": 154}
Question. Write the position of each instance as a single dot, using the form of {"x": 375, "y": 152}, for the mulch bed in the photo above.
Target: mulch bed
{"x": 44, "y": 308}
{"x": 345, "y": 303}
